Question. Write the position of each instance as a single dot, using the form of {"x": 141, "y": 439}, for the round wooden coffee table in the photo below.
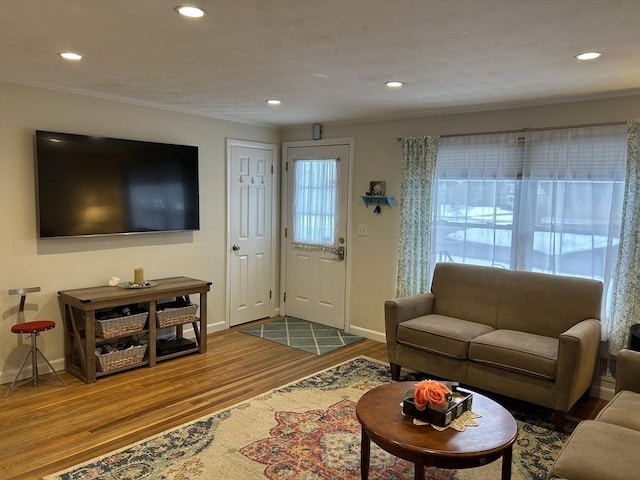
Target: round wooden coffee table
{"x": 379, "y": 412}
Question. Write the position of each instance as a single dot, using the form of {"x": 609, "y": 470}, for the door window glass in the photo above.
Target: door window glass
{"x": 315, "y": 202}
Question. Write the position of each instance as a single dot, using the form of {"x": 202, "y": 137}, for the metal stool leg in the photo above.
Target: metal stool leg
{"x": 33, "y": 353}
{"x": 34, "y": 360}
{"x": 51, "y": 367}
{"x": 13, "y": 384}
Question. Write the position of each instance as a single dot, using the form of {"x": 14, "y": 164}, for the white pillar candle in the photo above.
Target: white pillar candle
{"x": 138, "y": 275}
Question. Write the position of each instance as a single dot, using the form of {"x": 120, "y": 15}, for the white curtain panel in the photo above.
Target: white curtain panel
{"x": 573, "y": 181}
{"x": 315, "y": 204}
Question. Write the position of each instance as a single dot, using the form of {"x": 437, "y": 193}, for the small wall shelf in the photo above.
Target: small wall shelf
{"x": 378, "y": 200}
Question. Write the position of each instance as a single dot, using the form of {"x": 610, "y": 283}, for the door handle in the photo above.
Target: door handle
{"x": 339, "y": 252}
{"x": 235, "y": 247}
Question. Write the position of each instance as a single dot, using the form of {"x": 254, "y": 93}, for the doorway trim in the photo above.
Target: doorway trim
{"x": 275, "y": 220}
{"x": 283, "y": 215}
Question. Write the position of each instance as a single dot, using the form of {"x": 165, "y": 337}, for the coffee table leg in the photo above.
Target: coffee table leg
{"x": 365, "y": 452}
{"x": 419, "y": 470}
{"x": 506, "y": 463}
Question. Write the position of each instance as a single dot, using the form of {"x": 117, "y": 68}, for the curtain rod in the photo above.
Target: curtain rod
{"x": 528, "y": 129}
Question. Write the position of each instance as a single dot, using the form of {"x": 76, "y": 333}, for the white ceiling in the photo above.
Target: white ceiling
{"x": 326, "y": 60}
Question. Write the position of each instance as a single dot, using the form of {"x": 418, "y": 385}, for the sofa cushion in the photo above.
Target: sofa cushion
{"x": 468, "y": 292}
{"x": 623, "y": 409}
{"x": 597, "y": 451}
{"x": 521, "y": 352}
{"x": 439, "y": 334}
{"x": 547, "y": 304}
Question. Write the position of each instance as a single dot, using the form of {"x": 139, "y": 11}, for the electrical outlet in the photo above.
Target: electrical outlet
{"x": 362, "y": 230}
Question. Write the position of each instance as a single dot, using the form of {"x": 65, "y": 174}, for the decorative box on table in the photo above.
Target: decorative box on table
{"x": 459, "y": 403}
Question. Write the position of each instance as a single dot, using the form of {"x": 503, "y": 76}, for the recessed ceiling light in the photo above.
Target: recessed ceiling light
{"x": 273, "y": 101}
{"x": 588, "y": 55}
{"x": 394, "y": 84}
{"x": 190, "y": 11}
{"x": 70, "y": 56}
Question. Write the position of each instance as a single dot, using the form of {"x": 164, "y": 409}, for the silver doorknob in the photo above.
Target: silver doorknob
{"x": 235, "y": 247}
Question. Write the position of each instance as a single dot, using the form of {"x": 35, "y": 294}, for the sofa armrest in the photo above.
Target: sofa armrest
{"x": 397, "y": 310}
{"x": 577, "y": 355}
{"x": 628, "y": 371}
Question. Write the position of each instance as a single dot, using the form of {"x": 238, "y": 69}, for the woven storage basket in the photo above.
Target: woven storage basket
{"x": 176, "y": 316}
{"x": 120, "y": 326}
{"x": 120, "y": 358}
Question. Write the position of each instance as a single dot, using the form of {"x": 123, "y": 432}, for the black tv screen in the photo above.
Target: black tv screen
{"x": 103, "y": 186}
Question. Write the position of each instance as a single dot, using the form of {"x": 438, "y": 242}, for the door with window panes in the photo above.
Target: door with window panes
{"x": 316, "y": 181}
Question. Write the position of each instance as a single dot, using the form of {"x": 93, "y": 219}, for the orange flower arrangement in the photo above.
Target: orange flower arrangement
{"x": 431, "y": 392}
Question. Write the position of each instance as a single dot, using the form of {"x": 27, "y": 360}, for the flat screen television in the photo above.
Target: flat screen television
{"x": 105, "y": 186}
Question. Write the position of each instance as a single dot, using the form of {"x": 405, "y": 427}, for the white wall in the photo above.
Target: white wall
{"x": 378, "y": 157}
{"x": 57, "y": 264}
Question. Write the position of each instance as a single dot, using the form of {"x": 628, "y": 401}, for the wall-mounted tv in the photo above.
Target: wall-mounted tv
{"x": 104, "y": 186}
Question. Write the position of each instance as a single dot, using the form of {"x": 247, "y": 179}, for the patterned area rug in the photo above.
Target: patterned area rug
{"x": 303, "y": 335}
{"x": 306, "y": 430}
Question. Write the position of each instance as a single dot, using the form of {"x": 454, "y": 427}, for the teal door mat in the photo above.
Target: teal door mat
{"x": 303, "y": 335}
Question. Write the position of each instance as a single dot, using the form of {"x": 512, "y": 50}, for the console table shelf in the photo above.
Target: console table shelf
{"x": 79, "y": 309}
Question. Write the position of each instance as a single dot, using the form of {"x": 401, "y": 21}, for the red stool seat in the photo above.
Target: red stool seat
{"x": 32, "y": 327}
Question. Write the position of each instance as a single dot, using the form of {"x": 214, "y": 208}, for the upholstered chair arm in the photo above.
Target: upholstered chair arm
{"x": 628, "y": 371}
{"x": 577, "y": 355}
{"x": 397, "y": 310}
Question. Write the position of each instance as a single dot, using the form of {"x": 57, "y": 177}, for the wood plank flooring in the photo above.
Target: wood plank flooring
{"x": 50, "y": 428}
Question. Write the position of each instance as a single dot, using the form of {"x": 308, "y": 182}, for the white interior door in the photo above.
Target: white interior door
{"x": 316, "y": 184}
{"x": 250, "y": 230}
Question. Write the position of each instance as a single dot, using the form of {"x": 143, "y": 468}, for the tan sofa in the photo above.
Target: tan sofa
{"x": 609, "y": 446}
{"x": 530, "y": 336}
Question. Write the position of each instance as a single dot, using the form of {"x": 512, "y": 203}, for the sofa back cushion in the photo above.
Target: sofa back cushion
{"x": 468, "y": 292}
{"x": 547, "y": 304}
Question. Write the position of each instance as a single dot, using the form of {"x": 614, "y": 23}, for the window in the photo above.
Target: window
{"x": 546, "y": 201}
{"x": 315, "y": 203}
{"x": 477, "y": 188}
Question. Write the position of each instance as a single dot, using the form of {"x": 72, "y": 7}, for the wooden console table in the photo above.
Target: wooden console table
{"x": 79, "y": 308}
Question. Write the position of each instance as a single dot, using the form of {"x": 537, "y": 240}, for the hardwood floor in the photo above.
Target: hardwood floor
{"x": 50, "y": 428}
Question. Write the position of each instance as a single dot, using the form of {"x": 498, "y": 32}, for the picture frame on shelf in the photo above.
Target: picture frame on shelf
{"x": 377, "y": 188}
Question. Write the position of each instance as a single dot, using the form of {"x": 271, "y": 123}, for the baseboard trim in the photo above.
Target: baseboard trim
{"x": 216, "y": 327}
{"x": 370, "y": 334}
{"x": 59, "y": 365}
{"x": 43, "y": 369}
{"x": 603, "y": 388}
